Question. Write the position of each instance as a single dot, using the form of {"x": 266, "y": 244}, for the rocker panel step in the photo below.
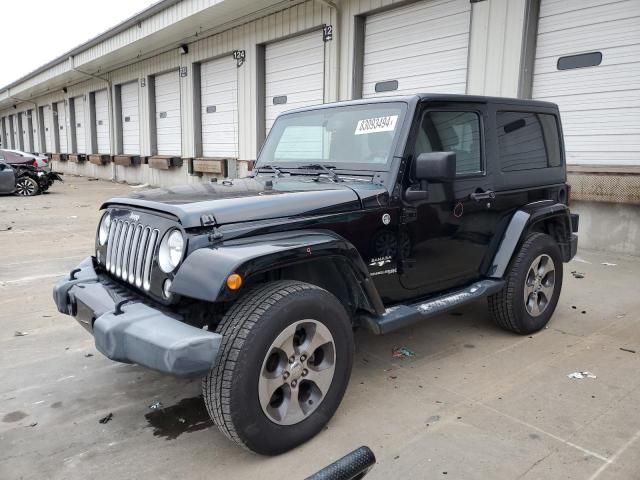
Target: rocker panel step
{"x": 400, "y": 316}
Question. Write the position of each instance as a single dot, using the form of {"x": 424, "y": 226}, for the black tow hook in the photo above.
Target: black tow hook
{"x": 72, "y": 275}
{"x": 118, "y": 310}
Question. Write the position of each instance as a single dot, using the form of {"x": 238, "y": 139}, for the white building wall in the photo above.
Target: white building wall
{"x": 494, "y": 68}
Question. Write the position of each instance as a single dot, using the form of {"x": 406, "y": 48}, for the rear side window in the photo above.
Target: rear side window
{"x": 527, "y": 141}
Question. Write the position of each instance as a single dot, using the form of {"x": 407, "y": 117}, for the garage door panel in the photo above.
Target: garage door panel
{"x": 294, "y": 69}
{"x": 596, "y": 101}
{"x": 46, "y": 114}
{"x": 102, "y": 122}
{"x": 168, "y": 114}
{"x": 422, "y": 33}
{"x": 433, "y": 12}
{"x": 78, "y": 105}
{"x": 600, "y": 105}
{"x": 24, "y": 116}
{"x": 587, "y": 80}
{"x": 604, "y": 12}
{"x": 424, "y": 46}
{"x": 130, "y": 104}
{"x": 588, "y": 38}
{"x": 610, "y": 56}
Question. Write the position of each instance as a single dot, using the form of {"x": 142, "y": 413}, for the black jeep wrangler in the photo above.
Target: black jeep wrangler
{"x": 373, "y": 213}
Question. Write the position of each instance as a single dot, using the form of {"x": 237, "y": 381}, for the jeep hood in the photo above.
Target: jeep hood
{"x": 247, "y": 199}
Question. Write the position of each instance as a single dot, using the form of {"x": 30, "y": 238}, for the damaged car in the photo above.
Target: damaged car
{"x": 25, "y": 180}
{"x": 376, "y": 214}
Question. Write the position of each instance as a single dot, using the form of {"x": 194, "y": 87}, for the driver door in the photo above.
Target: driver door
{"x": 450, "y": 232}
{"x": 7, "y": 178}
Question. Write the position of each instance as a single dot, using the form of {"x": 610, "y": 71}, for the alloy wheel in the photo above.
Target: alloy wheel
{"x": 539, "y": 285}
{"x": 297, "y": 372}
{"x": 25, "y": 187}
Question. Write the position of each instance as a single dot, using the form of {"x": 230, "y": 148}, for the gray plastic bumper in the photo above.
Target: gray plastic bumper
{"x": 139, "y": 334}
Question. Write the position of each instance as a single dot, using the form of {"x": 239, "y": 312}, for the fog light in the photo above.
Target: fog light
{"x": 165, "y": 288}
{"x": 234, "y": 281}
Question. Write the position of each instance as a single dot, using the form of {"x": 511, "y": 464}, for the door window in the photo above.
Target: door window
{"x": 448, "y": 131}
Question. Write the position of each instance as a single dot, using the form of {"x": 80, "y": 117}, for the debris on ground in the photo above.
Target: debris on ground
{"x": 87, "y": 355}
{"x": 627, "y": 350}
{"x": 402, "y": 352}
{"x": 18, "y": 333}
{"x": 33, "y": 424}
{"x": 106, "y": 419}
{"x": 92, "y": 179}
{"x": 581, "y": 375}
{"x": 577, "y": 274}
{"x": 155, "y": 406}
{"x": 6, "y": 229}
{"x": 581, "y": 260}
{"x": 141, "y": 185}
{"x": 621, "y": 315}
{"x": 608, "y": 264}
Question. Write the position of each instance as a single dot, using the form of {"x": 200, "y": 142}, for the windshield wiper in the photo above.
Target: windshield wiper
{"x": 274, "y": 168}
{"x": 328, "y": 169}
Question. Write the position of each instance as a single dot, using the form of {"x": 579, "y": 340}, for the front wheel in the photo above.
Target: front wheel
{"x": 26, "y": 187}
{"x": 532, "y": 288}
{"x": 284, "y": 365}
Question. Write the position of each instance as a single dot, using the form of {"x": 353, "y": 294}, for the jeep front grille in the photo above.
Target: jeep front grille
{"x": 130, "y": 249}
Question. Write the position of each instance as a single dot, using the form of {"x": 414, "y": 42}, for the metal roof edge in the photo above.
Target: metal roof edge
{"x": 131, "y": 21}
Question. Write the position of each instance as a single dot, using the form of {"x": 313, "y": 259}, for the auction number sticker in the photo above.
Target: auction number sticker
{"x": 378, "y": 124}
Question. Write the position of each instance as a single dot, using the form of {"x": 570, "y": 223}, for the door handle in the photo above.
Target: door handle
{"x": 486, "y": 195}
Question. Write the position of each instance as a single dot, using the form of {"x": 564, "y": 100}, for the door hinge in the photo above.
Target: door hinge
{"x": 409, "y": 215}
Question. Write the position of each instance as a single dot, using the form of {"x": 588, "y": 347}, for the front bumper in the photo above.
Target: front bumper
{"x": 135, "y": 332}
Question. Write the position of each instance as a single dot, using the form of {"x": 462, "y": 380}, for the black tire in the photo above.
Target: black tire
{"x": 249, "y": 329}
{"x": 508, "y": 307}
{"x": 26, "y": 187}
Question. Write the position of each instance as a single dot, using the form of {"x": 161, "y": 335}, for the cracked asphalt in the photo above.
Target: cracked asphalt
{"x": 473, "y": 403}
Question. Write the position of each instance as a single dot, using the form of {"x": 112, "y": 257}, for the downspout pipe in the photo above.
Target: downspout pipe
{"x": 112, "y": 130}
{"x": 334, "y": 6}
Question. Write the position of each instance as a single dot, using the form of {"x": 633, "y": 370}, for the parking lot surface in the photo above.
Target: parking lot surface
{"x": 474, "y": 402}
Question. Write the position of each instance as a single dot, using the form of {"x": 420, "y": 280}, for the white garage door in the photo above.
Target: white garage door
{"x": 63, "y": 143}
{"x": 219, "y": 100}
{"x": 102, "y": 122}
{"x": 26, "y": 131}
{"x": 168, "y": 118}
{"x": 80, "y": 130}
{"x": 15, "y": 143}
{"x": 130, "y": 119}
{"x": 48, "y": 139}
{"x": 422, "y": 47}
{"x": 588, "y": 62}
{"x": 294, "y": 74}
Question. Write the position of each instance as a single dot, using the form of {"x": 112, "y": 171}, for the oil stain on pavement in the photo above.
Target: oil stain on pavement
{"x": 188, "y": 415}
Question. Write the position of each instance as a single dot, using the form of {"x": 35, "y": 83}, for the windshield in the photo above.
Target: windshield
{"x": 355, "y": 134}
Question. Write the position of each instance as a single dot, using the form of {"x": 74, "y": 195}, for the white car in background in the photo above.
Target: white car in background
{"x": 42, "y": 161}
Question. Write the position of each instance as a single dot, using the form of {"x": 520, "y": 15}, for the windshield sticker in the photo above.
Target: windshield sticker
{"x": 378, "y": 124}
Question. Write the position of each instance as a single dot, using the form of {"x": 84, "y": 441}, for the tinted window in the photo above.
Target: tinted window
{"x": 527, "y": 141}
{"x": 581, "y": 60}
{"x": 457, "y": 132}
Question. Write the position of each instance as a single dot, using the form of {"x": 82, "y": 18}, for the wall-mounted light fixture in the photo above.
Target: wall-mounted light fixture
{"x": 183, "y": 49}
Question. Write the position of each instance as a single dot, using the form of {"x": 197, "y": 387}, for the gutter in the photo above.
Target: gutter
{"x": 112, "y": 141}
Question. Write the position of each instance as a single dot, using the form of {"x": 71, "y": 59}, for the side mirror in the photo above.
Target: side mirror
{"x": 435, "y": 167}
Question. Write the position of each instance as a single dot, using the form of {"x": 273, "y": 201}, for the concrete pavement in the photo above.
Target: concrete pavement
{"x": 473, "y": 403}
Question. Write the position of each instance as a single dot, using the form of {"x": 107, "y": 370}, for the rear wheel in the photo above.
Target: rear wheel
{"x": 26, "y": 187}
{"x": 532, "y": 288}
{"x": 284, "y": 365}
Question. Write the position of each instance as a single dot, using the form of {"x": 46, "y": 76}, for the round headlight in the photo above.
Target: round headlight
{"x": 103, "y": 230}
{"x": 171, "y": 250}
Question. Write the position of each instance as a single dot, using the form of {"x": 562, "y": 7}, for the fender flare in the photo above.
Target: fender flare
{"x": 520, "y": 223}
{"x": 204, "y": 272}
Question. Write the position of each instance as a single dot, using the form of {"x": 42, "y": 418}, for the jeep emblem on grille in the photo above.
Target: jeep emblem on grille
{"x": 133, "y": 217}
